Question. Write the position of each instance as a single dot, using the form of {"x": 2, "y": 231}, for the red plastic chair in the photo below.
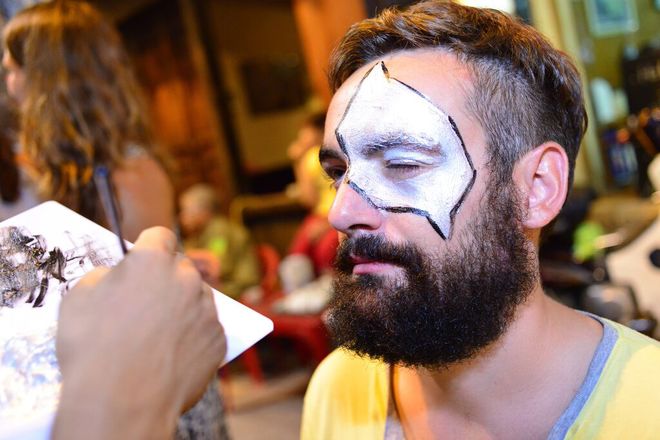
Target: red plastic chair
{"x": 307, "y": 331}
{"x": 270, "y": 263}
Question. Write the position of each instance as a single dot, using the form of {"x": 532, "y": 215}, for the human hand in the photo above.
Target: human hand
{"x": 136, "y": 344}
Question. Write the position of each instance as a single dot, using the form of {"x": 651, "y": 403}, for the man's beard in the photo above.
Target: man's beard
{"x": 445, "y": 309}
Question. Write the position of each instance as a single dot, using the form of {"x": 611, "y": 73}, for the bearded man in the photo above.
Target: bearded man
{"x": 451, "y": 140}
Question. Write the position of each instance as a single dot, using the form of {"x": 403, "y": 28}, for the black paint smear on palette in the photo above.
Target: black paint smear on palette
{"x": 27, "y": 266}
{"x": 98, "y": 257}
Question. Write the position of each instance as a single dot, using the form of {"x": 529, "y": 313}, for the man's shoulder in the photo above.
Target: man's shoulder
{"x": 342, "y": 358}
{"x": 343, "y": 372}
{"x": 626, "y": 399}
{"x": 634, "y": 346}
{"x": 632, "y": 365}
{"x": 346, "y": 392}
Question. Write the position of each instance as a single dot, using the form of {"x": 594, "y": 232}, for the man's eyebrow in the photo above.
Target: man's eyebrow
{"x": 327, "y": 153}
{"x": 377, "y": 145}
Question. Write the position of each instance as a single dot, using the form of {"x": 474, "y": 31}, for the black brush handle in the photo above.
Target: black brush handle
{"x": 102, "y": 181}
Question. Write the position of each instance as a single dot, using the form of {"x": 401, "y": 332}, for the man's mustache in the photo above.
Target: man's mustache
{"x": 375, "y": 248}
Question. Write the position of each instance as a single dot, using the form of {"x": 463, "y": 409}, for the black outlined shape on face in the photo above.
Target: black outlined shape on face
{"x": 388, "y": 117}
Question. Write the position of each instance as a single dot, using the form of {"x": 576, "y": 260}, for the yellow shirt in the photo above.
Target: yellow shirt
{"x": 348, "y": 396}
{"x": 625, "y": 401}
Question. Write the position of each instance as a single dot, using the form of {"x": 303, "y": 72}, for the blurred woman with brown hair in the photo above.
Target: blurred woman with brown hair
{"x": 10, "y": 189}
{"x": 16, "y": 191}
{"x": 80, "y": 106}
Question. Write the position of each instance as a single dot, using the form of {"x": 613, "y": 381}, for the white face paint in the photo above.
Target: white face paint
{"x": 404, "y": 153}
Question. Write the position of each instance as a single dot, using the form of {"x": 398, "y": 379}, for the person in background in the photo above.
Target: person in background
{"x": 16, "y": 193}
{"x": 451, "y": 138}
{"x": 310, "y": 136}
{"x": 221, "y": 250}
{"x": 305, "y": 273}
{"x": 9, "y": 178}
{"x": 80, "y": 106}
{"x": 315, "y": 239}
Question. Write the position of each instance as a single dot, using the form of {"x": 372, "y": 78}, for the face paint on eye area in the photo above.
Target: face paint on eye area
{"x": 402, "y": 166}
{"x": 404, "y": 154}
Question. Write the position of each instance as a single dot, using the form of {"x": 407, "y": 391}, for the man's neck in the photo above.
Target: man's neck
{"x": 516, "y": 388}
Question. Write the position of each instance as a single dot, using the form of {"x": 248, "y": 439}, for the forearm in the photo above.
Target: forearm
{"x": 109, "y": 412}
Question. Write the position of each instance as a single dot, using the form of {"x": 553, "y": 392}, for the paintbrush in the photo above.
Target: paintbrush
{"x": 104, "y": 188}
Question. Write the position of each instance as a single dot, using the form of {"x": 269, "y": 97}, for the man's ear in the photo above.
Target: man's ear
{"x": 541, "y": 176}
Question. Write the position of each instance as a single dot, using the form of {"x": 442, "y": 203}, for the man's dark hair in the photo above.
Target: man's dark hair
{"x": 525, "y": 91}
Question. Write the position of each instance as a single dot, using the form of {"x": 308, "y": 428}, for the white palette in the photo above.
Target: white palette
{"x": 87, "y": 245}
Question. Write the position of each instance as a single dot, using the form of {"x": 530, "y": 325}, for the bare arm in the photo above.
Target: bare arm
{"x": 145, "y": 195}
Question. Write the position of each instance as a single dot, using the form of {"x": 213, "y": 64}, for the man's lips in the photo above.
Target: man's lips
{"x": 364, "y": 265}
{"x": 357, "y": 259}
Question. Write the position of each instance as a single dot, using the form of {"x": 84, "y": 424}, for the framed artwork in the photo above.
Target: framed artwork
{"x": 611, "y": 17}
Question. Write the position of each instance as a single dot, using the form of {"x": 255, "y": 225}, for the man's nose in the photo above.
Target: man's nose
{"x": 351, "y": 211}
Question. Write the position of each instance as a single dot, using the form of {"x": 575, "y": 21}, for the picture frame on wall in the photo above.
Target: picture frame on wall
{"x": 612, "y": 17}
